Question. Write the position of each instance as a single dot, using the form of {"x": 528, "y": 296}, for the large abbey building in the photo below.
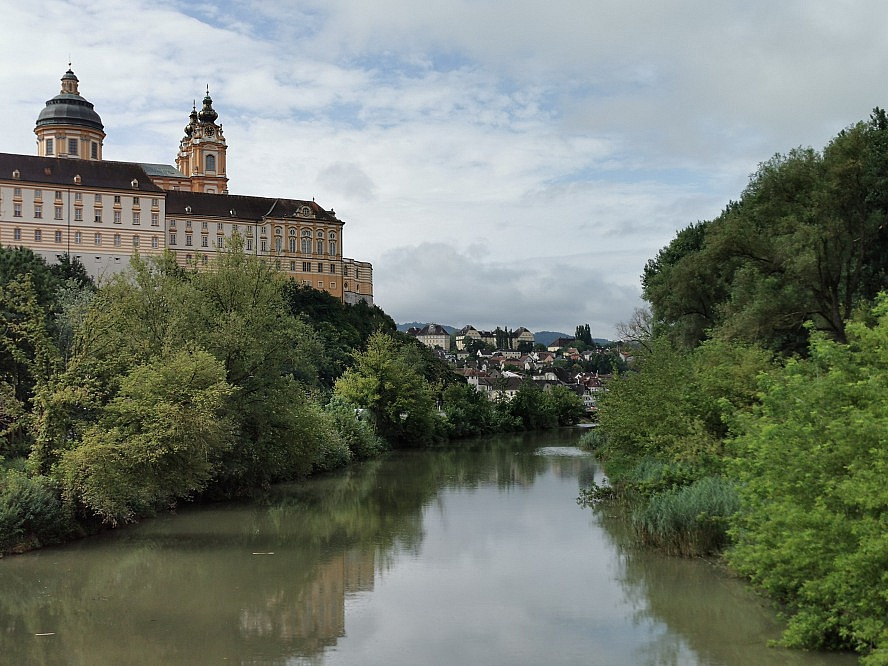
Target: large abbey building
{"x": 67, "y": 199}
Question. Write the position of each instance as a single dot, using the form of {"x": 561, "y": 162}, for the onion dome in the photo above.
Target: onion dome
{"x": 207, "y": 113}
{"x": 189, "y": 128}
{"x": 69, "y": 108}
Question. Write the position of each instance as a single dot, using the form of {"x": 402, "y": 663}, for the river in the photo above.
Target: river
{"x": 476, "y": 554}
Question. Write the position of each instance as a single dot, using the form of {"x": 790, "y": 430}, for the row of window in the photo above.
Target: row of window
{"x": 73, "y": 147}
{"x": 58, "y": 214}
{"x": 78, "y": 238}
{"x": 78, "y": 196}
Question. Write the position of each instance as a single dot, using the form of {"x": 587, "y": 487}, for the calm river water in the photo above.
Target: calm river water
{"x": 474, "y": 555}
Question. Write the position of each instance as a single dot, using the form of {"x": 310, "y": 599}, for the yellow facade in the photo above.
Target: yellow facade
{"x": 69, "y": 200}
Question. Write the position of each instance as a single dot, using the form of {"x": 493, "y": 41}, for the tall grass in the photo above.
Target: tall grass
{"x": 689, "y": 520}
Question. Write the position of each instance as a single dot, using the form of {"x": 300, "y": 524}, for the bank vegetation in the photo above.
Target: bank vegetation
{"x": 167, "y": 384}
{"x": 756, "y": 425}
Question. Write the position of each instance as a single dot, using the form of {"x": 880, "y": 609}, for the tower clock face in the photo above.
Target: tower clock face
{"x": 209, "y": 131}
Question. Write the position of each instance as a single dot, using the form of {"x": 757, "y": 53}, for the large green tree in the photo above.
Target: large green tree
{"x": 386, "y": 382}
{"x": 812, "y": 464}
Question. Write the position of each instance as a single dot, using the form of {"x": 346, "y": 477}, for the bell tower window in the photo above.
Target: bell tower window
{"x": 49, "y": 147}
{"x": 211, "y": 163}
{"x": 72, "y": 146}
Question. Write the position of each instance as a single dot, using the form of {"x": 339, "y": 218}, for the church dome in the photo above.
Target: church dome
{"x": 207, "y": 113}
{"x": 69, "y": 108}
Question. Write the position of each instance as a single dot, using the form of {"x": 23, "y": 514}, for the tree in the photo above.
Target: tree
{"x": 812, "y": 464}
{"x": 155, "y": 442}
{"x": 392, "y": 390}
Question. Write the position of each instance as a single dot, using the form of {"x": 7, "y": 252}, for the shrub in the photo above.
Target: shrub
{"x": 689, "y": 520}
{"x": 30, "y": 510}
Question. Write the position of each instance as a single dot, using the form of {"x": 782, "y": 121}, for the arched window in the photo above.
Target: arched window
{"x": 278, "y": 243}
{"x": 306, "y": 241}
{"x": 293, "y": 245}
{"x": 211, "y": 162}
{"x": 320, "y": 246}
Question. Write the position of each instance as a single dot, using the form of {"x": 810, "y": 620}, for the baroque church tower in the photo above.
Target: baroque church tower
{"x": 201, "y": 156}
{"x": 69, "y": 126}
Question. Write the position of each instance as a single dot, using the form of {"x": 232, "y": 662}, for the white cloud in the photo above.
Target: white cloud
{"x": 520, "y": 146}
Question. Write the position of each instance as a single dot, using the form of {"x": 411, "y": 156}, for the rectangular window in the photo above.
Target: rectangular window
{"x": 38, "y": 211}
{"x": 78, "y": 196}
{"x": 94, "y": 151}
{"x": 292, "y": 266}
{"x": 263, "y": 245}
{"x": 38, "y": 194}
{"x": 218, "y": 226}
{"x": 172, "y": 223}
{"x": 320, "y": 267}
{"x": 16, "y": 210}
{"x": 78, "y": 214}
{"x": 204, "y": 241}
{"x": 58, "y": 195}
{"x": 172, "y": 239}
{"x": 187, "y": 240}
{"x": 17, "y": 234}
{"x": 116, "y": 217}
{"x": 58, "y": 213}
{"x": 203, "y": 225}
{"x": 137, "y": 217}
{"x": 98, "y": 199}
{"x": 58, "y": 236}
{"x": 49, "y": 147}
{"x": 135, "y": 201}
{"x": 78, "y": 238}
{"x": 155, "y": 219}
{"x": 306, "y": 267}
{"x": 333, "y": 269}
{"x": 98, "y": 238}
{"x": 38, "y": 235}
{"x": 16, "y": 191}
{"x": 154, "y": 203}
{"x": 154, "y": 242}
{"x": 332, "y": 285}
{"x": 135, "y": 241}
{"x": 250, "y": 244}
{"x": 98, "y": 216}
{"x": 117, "y": 198}
{"x": 72, "y": 146}
{"x": 320, "y": 285}
{"x": 116, "y": 240}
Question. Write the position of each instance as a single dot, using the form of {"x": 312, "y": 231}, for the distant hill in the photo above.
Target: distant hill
{"x": 540, "y": 337}
{"x": 418, "y": 324}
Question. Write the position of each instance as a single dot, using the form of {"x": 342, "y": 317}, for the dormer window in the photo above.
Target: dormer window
{"x": 134, "y": 183}
{"x": 17, "y": 174}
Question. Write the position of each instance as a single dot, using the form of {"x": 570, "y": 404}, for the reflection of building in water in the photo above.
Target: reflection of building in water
{"x": 313, "y": 617}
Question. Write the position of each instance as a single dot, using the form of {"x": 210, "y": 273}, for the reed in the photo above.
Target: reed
{"x": 689, "y": 520}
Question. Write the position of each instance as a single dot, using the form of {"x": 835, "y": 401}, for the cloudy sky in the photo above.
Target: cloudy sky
{"x": 501, "y": 162}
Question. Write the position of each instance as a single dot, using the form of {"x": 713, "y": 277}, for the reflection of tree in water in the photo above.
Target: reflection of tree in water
{"x": 268, "y": 578}
{"x": 704, "y": 610}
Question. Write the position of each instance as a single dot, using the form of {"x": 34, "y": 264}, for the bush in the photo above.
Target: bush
{"x": 30, "y": 511}
{"x": 355, "y": 432}
{"x": 689, "y": 520}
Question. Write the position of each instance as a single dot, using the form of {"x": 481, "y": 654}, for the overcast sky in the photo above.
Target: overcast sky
{"x": 500, "y": 162}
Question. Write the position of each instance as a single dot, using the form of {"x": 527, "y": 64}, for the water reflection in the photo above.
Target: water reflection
{"x": 476, "y": 554}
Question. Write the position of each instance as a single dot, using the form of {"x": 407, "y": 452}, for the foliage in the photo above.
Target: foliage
{"x": 689, "y": 520}
{"x": 357, "y": 433}
{"x": 467, "y": 411}
{"x": 30, "y": 511}
{"x": 812, "y": 464}
{"x": 807, "y": 241}
{"x": 155, "y": 442}
{"x": 386, "y": 381}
